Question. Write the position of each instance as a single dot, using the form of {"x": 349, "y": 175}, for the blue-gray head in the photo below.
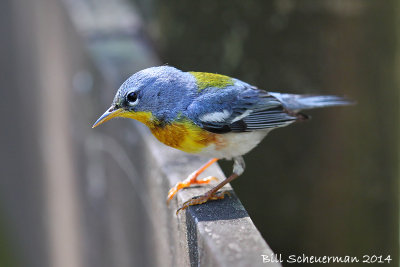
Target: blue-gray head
{"x": 156, "y": 93}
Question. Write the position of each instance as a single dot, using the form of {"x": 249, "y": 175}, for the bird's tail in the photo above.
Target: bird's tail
{"x": 298, "y": 102}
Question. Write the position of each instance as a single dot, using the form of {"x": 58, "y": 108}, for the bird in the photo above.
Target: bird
{"x": 208, "y": 114}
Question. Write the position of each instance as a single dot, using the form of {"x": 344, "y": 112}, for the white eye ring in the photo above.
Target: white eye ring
{"x": 132, "y": 98}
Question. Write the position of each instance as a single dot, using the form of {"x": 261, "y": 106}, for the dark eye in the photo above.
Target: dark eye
{"x": 131, "y": 97}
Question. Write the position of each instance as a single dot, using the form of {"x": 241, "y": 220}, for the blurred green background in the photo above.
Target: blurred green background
{"x": 328, "y": 186}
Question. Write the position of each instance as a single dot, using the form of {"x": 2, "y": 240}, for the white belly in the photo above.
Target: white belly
{"x": 231, "y": 145}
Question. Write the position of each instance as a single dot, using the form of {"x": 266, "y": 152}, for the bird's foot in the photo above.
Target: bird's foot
{"x": 191, "y": 180}
{"x": 203, "y": 199}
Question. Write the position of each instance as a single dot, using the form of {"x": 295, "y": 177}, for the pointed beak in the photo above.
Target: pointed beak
{"x": 112, "y": 112}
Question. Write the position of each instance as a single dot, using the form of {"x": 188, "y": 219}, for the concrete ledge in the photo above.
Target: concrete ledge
{"x": 218, "y": 233}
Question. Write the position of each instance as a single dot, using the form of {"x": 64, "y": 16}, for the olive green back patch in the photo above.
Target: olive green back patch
{"x": 205, "y": 80}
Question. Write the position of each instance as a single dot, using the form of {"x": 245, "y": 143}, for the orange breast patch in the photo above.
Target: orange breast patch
{"x": 184, "y": 136}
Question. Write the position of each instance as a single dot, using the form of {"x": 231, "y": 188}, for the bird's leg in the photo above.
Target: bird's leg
{"x": 213, "y": 194}
{"x": 192, "y": 179}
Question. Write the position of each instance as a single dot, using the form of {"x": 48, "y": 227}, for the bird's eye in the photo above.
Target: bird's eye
{"x": 132, "y": 97}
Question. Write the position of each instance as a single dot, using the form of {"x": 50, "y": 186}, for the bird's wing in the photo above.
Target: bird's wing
{"x": 237, "y": 108}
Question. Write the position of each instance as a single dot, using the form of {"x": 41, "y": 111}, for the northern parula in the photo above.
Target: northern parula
{"x": 208, "y": 114}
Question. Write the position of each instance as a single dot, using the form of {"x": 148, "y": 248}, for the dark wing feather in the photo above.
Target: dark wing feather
{"x": 238, "y": 126}
{"x": 257, "y": 120}
{"x": 268, "y": 118}
{"x": 239, "y": 108}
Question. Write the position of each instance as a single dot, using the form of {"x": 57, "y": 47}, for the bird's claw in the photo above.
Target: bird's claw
{"x": 188, "y": 182}
{"x": 202, "y": 199}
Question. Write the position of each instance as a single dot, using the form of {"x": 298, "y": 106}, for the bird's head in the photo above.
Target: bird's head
{"x": 149, "y": 95}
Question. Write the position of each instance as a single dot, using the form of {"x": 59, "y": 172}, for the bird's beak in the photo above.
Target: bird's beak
{"x": 112, "y": 112}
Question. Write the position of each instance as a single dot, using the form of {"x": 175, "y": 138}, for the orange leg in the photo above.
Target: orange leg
{"x": 192, "y": 179}
{"x": 213, "y": 194}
